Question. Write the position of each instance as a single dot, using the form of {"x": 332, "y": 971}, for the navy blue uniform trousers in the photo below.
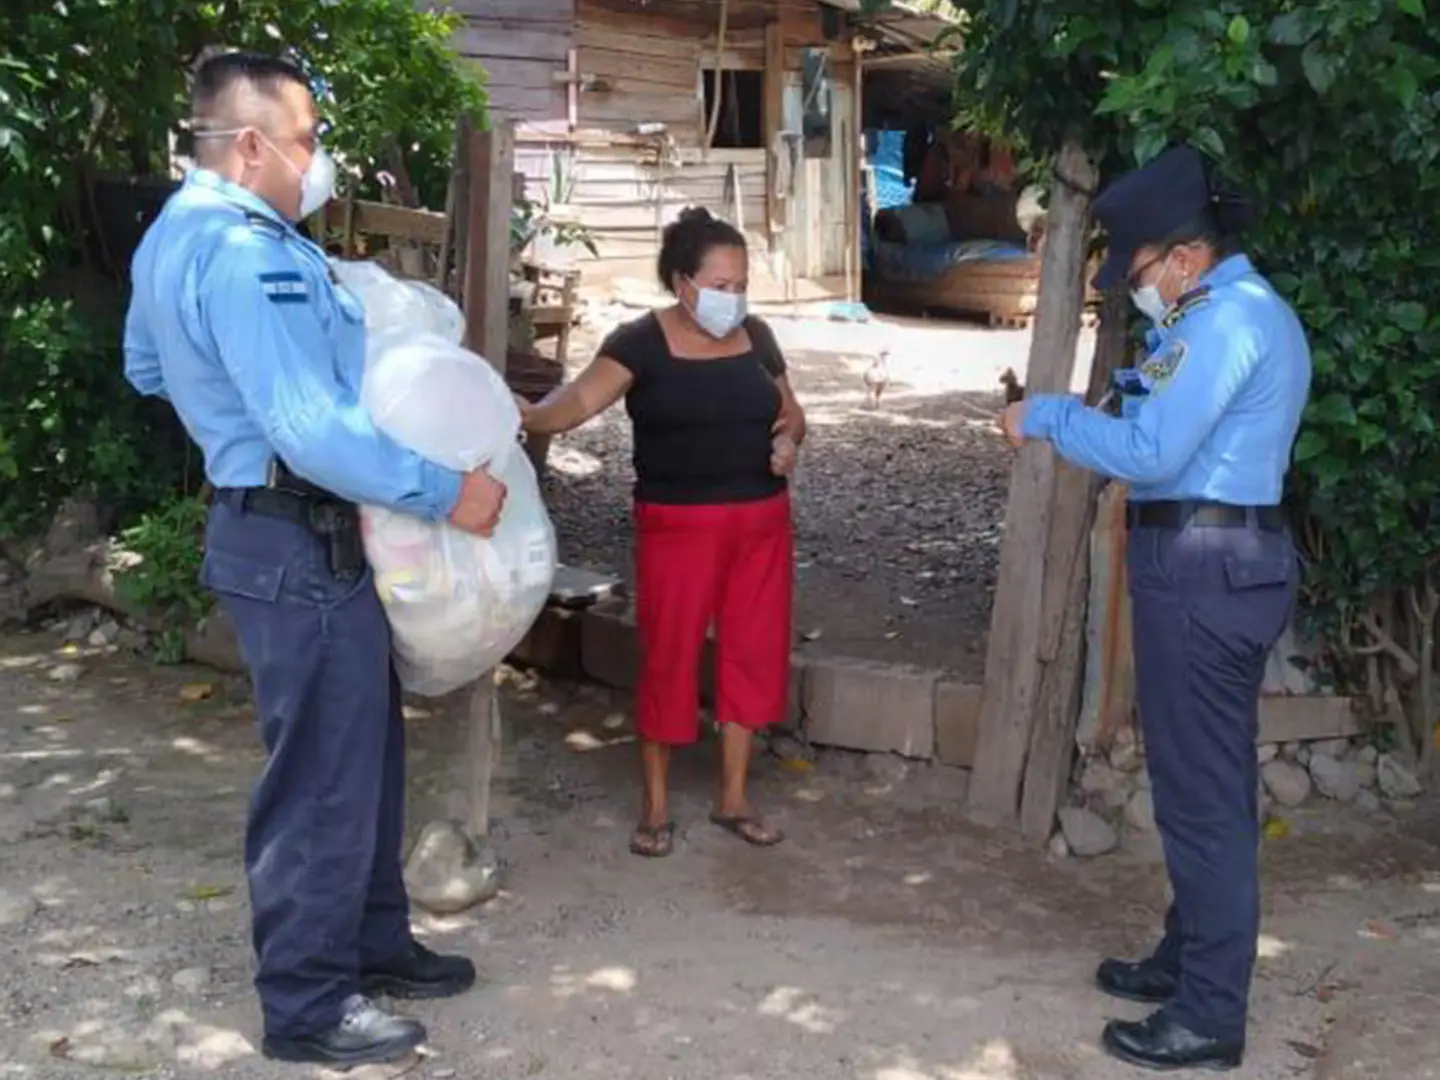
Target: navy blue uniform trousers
{"x": 1208, "y": 605}
{"x": 323, "y": 839}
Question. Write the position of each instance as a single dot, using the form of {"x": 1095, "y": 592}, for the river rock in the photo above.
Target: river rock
{"x": 1266, "y": 753}
{"x": 1365, "y": 771}
{"x": 1287, "y": 782}
{"x": 1334, "y": 748}
{"x": 1396, "y": 779}
{"x": 1140, "y": 811}
{"x": 1101, "y": 782}
{"x": 1086, "y": 832}
{"x": 1335, "y": 778}
{"x": 449, "y": 872}
{"x": 1125, "y": 754}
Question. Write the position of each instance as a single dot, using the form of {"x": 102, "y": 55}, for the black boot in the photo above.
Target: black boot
{"x": 1144, "y": 981}
{"x": 419, "y": 973}
{"x": 365, "y": 1035}
{"x": 1162, "y": 1044}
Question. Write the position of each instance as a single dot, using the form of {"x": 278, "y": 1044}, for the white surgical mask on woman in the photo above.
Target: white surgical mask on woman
{"x": 718, "y": 313}
{"x": 1147, "y": 298}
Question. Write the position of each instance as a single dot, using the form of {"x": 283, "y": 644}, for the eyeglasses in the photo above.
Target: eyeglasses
{"x": 1133, "y": 279}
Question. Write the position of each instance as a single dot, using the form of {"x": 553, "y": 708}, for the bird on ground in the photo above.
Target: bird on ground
{"x": 877, "y": 377}
{"x": 1013, "y": 390}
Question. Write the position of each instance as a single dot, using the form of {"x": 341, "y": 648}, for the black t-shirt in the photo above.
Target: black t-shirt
{"x": 702, "y": 427}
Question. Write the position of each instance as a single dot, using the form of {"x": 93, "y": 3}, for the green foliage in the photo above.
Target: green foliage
{"x": 94, "y": 89}
{"x": 68, "y": 425}
{"x": 1328, "y": 112}
{"x": 91, "y": 89}
{"x": 165, "y": 576}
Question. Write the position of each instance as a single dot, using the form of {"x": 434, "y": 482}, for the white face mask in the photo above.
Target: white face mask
{"x": 1147, "y": 299}
{"x": 317, "y": 182}
{"x": 718, "y": 313}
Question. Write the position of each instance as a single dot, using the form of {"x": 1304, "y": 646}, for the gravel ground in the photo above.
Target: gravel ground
{"x": 899, "y": 510}
{"x": 888, "y": 939}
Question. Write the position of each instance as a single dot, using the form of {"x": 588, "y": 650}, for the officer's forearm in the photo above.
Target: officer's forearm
{"x": 347, "y": 455}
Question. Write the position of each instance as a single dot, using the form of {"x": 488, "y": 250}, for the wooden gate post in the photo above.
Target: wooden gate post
{"x": 491, "y": 160}
{"x": 1035, "y": 587}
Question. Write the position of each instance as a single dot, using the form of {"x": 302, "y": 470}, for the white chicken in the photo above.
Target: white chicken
{"x": 877, "y": 377}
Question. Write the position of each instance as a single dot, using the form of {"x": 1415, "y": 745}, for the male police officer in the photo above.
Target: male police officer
{"x": 1203, "y": 440}
{"x": 236, "y": 320}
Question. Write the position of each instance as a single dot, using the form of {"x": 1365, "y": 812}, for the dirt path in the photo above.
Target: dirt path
{"x": 888, "y": 940}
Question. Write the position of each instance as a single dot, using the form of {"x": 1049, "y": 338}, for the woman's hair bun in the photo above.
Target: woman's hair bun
{"x": 694, "y": 215}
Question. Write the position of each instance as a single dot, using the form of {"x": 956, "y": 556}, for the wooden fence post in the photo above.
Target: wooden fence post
{"x": 491, "y": 158}
{"x": 490, "y": 191}
{"x": 1035, "y": 588}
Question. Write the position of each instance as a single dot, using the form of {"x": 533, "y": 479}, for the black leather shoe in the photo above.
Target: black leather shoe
{"x": 1145, "y": 981}
{"x": 1161, "y": 1044}
{"x": 419, "y": 973}
{"x": 365, "y": 1035}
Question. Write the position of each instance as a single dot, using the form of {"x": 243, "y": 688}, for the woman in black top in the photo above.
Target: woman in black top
{"x": 717, "y": 431}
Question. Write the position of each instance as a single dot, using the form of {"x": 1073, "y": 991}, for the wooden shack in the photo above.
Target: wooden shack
{"x": 627, "y": 111}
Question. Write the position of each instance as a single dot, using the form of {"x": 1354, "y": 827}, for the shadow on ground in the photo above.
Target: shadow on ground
{"x": 889, "y": 939}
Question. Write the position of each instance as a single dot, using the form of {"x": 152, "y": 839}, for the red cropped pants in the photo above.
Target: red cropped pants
{"x": 730, "y": 566}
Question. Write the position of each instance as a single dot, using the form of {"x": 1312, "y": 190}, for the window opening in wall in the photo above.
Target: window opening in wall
{"x": 742, "y": 108}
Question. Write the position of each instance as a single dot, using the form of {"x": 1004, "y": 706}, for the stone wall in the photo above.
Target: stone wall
{"x": 1111, "y": 805}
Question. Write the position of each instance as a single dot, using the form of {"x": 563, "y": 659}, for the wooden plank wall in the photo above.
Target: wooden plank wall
{"x": 646, "y": 69}
{"x": 625, "y": 197}
{"x": 524, "y": 47}
{"x": 632, "y": 68}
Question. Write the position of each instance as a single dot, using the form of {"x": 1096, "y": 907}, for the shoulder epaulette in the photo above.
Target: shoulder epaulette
{"x": 262, "y": 223}
{"x": 1187, "y": 303}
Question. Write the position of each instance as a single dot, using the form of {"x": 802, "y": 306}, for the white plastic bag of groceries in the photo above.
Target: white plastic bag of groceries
{"x": 395, "y": 304}
{"x": 457, "y": 603}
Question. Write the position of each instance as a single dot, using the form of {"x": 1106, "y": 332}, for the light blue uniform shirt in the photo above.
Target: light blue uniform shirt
{"x": 1224, "y": 385}
{"x": 236, "y": 320}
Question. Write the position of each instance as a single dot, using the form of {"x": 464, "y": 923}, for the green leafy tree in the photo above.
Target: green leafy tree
{"x": 1328, "y": 113}
{"x": 94, "y": 89}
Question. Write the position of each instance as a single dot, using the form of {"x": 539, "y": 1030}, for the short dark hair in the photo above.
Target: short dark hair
{"x": 688, "y": 239}
{"x": 221, "y": 73}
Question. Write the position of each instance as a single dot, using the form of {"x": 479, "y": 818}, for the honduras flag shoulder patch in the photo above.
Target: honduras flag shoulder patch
{"x": 285, "y": 287}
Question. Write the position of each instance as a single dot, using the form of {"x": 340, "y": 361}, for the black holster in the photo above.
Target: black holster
{"x": 329, "y": 518}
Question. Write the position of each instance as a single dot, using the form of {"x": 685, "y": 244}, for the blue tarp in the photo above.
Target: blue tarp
{"x": 886, "y": 151}
{"x": 925, "y": 262}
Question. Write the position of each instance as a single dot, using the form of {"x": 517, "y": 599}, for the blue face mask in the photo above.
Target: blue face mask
{"x": 718, "y": 313}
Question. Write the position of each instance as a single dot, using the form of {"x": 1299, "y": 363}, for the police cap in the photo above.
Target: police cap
{"x": 1147, "y": 205}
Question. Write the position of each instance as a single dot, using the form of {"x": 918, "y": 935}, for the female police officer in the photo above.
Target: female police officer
{"x": 1203, "y": 440}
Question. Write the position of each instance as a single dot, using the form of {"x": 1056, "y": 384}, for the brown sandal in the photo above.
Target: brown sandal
{"x": 750, "y": 829}
{"x": 653, "y": 841}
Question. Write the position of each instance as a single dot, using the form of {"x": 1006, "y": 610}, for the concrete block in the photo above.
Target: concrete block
{"x": 1304, "y": 717}
{"x": 957, "y": 722}
{"x": 609, "y": 646}
{"x": 871, "y": 706}
{"x": 795, "y": 709}
{"x": 553, "y": 644}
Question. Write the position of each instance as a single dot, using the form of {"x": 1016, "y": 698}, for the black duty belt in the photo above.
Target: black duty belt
{"x": 332, "y": 520}
{"x": 1170, "y": 514}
